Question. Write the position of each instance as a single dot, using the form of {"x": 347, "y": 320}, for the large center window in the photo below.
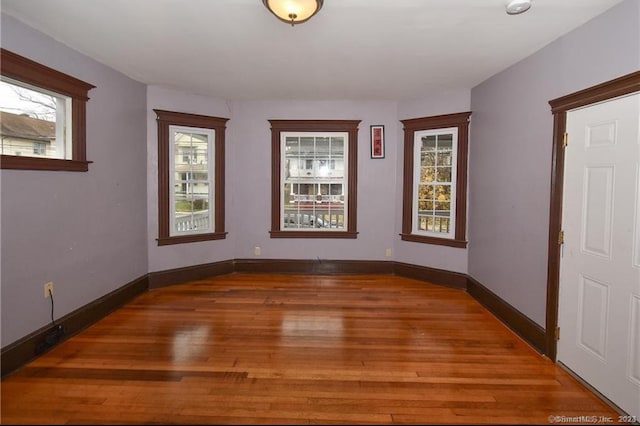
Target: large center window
{"x": 314, "y": 181}
{"x": 314, "y": 178}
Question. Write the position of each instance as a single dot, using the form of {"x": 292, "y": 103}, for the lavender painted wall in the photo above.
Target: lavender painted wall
{"x": 86, "y": 232}
{"x": 510, "y": 151}
{"x": 251, "y": 174}
{"x": 181, "y": 255}
{"x": 433, "y": 256}
{"x": 248, "y": 182}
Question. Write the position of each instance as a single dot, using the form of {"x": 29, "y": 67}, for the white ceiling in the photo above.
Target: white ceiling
{"x": 352, "y": 49}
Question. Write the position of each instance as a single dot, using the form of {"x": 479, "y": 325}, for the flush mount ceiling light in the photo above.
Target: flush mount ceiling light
{"x": 293, "y": 11}
{"x": 515, "y": 7}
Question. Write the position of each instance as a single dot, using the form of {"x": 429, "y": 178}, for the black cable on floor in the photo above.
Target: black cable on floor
{"x": 53, "y": 321}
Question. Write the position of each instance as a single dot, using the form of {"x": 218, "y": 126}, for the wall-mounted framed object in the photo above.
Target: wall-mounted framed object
{"x": 377, "y": 141}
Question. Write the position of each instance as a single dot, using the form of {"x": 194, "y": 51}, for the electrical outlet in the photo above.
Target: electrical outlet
{"x": 256, "y": 251}
{"x": 48, "y": 289}
{"x": 388, "y": 252}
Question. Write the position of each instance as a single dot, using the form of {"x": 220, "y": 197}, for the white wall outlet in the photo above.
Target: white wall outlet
{"x": 48, "y": 289}
{"x": 388, "y": 252}
{"x": 256, "y": 251}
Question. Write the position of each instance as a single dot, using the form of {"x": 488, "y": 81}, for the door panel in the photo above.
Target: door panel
{"x": 599, "y": 298}
{"x": 598, "y": 203}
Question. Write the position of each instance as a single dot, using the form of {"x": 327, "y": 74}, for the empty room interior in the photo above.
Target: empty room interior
{"x": 313, "y": 212}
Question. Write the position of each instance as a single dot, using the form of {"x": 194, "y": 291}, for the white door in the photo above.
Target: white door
{"x": 599, "y": 300}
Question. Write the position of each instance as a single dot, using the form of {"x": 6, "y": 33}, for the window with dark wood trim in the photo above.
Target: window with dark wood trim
{"x": 32, "y": 74}
{"x": 190, "y": 177}
{"x": 314, "y": 178}
{"x": 435, "y": 179}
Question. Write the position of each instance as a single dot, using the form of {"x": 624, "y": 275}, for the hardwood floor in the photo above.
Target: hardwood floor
{"x": 278, "y": 349}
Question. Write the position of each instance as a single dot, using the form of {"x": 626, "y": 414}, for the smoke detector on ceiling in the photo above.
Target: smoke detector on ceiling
{"x": 515, "y": 7}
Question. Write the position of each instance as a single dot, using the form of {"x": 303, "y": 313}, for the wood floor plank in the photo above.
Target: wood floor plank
{"x": 296, "y": 349}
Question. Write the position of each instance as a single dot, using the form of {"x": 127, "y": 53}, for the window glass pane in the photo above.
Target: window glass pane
{"x": 444, "y": 158}
{"x": 440, "y": 224}
{"x": 428, "y": 174}
{"x": 445, "y": 141}
{"x": 442, "y": 208}
{"x": 426, "y": 192}
{"x": 192, "y": 195}
{"x": 292, "y": 164}
{"x": 444, "y": 174}
{"x": 191, "y": 207}
{"x": 322, "y": 147}
{"x": 425, "y": 207}
{"x": 337, "y": 146}
{"x": 428, "y": 143}
{"x": 313, "y": 182}
{"x": 200, "y": 158}
{"x": 428, "y": 159}
{"x": 34, "y": 122}
{"x": 292, "y": 147}
{"x": 307, "y": 146}
{"x": 423, "y": 222}
{"x": 443, "y": 192}
{"x": 331, "y": 218}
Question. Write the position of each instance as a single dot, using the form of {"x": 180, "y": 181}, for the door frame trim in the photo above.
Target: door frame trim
{"x": 621, "y": 86}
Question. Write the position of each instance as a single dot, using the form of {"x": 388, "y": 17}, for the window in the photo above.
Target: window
{"x": 314, "y": 176}
{"x": 435, "y": 179}
{"x": 43, "y": 116}
{"x": 189, "y": 155}
{"x": 190, "y": 177}
{"x": 39, "y": 148}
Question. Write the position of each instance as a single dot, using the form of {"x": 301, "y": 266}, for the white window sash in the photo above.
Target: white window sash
{"x": 417, "y": 159}
{"x": 62, "y": 146}
{"x": 210, "y": 133}
{"x": 344, "y": 181}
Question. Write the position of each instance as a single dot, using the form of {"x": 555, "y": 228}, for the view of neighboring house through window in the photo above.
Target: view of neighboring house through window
{"x": 42, "y": 117}
{"x": 314, "y": 178}
{"x": 192, "y": 194}
{"x": 314, "y": 181}
{"x": 34, "y": 121}
{"x": 190, "y": 177}
{"x": 39, "y": 148}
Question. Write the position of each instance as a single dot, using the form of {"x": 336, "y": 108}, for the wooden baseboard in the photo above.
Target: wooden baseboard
{"x": 24, "y": 350}
{"x": 29, "y": 347}
{"x": 436, "y": 276}
{"x": 312, "y": 266}
{"x": 189, "y": 273}
{"x": 510, "y": 316}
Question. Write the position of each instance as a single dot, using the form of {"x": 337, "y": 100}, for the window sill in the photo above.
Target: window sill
{"x": 193, "y": 238}
{"x": 434, "y": 240}
{"x": 313, "y": 234}
{"x": 13, "y": 162}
